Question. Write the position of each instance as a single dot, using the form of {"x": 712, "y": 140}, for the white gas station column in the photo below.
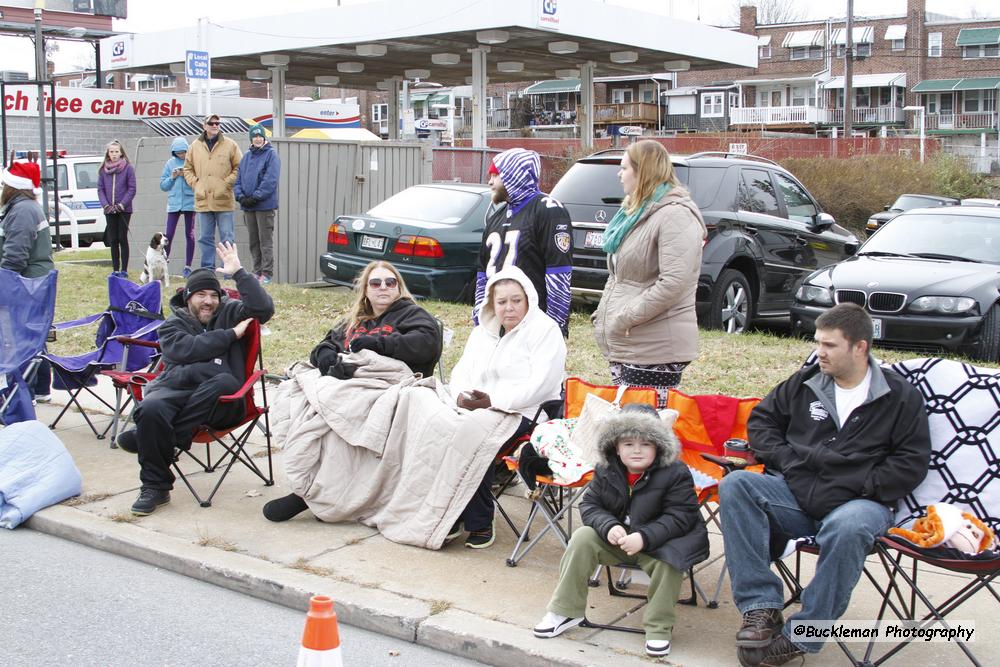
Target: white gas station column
{"x": 586, "y": 122}
{"x": 278, "y": 64}
{"x": 479, "y": 81}
{"x": 394, "y": 106}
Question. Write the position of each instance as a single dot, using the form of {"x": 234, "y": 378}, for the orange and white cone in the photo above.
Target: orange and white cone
{"x": 320, "y": 639}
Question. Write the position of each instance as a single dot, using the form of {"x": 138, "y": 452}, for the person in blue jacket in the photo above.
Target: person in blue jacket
{"x": 256, "y": 190}
{"x": 180, "y": 200}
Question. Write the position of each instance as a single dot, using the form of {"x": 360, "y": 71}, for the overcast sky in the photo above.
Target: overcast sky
{"x": 153, "y": 16}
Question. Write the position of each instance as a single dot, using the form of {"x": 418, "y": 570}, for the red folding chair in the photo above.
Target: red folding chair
{"x": 234, "y": 439}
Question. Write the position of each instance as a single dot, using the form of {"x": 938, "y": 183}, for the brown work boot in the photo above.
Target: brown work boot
{"x": 781, "y": 651}
{"x": 759, "y": 627}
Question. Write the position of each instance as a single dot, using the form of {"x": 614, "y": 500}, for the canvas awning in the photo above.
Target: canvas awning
{"x": 897, "y": 79}
{"x": 895, "y": 32}
{"x": 978, "y": 36}
{"x": 553, "y": 86}
{"x": 764, "y": 40}
{"x": 678, "y": 92}
{"x": 948, "y": 85}
{"x": 803, "y": 38}
{"x": 862, "y": 35}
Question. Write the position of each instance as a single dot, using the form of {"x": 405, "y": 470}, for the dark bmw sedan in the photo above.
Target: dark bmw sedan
{"x": 431, "y": 233}
{"x": 930, "y": 280}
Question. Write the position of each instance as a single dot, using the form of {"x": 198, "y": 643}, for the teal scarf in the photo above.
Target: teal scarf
{"x": 622, "y": 223}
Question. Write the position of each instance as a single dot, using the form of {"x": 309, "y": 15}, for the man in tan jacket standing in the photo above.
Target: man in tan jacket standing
{"x": 210, "y": 169}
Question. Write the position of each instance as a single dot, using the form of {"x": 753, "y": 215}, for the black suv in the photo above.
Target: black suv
{"x": 765, "y": 232}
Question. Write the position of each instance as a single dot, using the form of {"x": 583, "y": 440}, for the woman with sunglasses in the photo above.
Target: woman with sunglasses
{"x": 383, "y": 318}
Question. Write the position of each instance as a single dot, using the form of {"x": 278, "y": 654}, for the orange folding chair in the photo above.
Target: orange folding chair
{"x": 554, "y": 501}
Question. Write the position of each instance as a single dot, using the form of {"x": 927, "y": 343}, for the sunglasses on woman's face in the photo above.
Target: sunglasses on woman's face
{"x": 213, "y": 123}
{"x": 375, "y": 283}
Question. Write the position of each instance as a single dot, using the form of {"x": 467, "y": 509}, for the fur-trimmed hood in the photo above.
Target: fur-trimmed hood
{"x": 632, "y": 424}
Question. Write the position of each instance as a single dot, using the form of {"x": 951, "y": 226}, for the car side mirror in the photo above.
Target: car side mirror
{"x": 822, "y": 222}
{"x": 850, "y": 249}
{"x": 886, "y": 207}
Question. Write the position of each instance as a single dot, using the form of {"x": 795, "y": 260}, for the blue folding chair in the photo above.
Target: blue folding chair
{"x": 134, "y": 313}
{"x": 27, "y": 307}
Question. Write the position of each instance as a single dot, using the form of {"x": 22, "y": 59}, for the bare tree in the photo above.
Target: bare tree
{"x": 771, "y": 11}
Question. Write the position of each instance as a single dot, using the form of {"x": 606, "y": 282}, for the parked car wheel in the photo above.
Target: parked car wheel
{"x": 988, "y": 347}
{"x": 732, "y": 305}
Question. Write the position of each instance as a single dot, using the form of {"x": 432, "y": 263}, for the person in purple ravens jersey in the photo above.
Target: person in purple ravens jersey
{"x": 532, "y": 232}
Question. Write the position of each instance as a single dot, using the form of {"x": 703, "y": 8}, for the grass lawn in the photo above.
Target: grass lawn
{"x": 744, "y": 365}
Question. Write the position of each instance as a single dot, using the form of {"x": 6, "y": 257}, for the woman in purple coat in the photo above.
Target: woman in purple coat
{"x": 116, "y": 190}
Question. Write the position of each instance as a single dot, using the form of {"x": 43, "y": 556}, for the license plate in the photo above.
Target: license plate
{"x": 594, "y": 240}
{"x": 876, "y": 328}
{"x": 373, "y": 242}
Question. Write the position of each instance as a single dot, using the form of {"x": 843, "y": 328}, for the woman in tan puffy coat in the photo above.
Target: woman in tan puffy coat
{"x": 645, "y": 324}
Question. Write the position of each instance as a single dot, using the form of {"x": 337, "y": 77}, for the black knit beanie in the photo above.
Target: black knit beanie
{"x": 201, "y": 279}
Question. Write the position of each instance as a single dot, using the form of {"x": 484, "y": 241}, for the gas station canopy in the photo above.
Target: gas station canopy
{"x": 364, "y": 44}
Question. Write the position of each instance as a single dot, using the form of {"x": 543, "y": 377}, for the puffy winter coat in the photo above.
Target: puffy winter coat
{"x": 647, "y": 312}
{"x": 258, "y": 178}
{"x": 117, "y": 188}
{"x": 661, "y": 507}
{"x": 180, "y": 196}
{"x": 25, "y": 242}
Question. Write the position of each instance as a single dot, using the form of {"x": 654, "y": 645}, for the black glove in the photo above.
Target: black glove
{"x": 365, "y": 343}
{"x": 250, "y": 202}
{"x": 340, "y": 370}
{"x": 243, "y": 202}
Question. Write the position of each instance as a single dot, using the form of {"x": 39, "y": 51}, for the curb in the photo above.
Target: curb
{"x": 451, "y": 631}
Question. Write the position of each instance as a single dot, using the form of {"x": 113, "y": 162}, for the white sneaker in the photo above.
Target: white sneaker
{"x": 553, "y": 625}
{"x": 43, "y": 398}
{"x": 657, "y": 648}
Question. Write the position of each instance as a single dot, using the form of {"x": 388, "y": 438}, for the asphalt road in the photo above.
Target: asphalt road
{"x": 62, "y": 603}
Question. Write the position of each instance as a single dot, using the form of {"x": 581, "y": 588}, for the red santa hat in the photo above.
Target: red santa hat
{"x": 23, "y": 176}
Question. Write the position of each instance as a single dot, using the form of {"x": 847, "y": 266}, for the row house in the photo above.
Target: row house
{"x": 947, "y": 66}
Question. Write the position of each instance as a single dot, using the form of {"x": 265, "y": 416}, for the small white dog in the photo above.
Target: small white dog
{"x": 155, "y": 267}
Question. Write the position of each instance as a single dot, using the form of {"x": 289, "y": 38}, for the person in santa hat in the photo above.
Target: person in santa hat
{"x": 25, "y": 243}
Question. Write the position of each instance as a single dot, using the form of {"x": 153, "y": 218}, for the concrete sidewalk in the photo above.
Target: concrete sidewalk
{"x": 463, "y": 601}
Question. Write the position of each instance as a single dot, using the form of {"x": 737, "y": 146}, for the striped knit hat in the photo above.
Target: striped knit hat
{"x": 520, "y": 169}
{"x": 23, "y": 176}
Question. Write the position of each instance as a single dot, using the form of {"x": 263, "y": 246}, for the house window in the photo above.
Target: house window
{"x": 148, "y": 84}
{"x": 646, "y": 93}
{"x": 806, "y": 53}
{"x": 380, "y": 112}
{"x": 981, "y": 51}
{"x": 734, "y": 100}
{"x": 621, "y": 95}
{"x": 763, "y": 99}
{"x": 861, "y": 50}
{"x": 971, "y": 102}
{"x": 168, "y": 82}
{"x": 803, "y": 96}
{"x": 933, "y": 45}
{"x": 862, "y": 98}
{"x": 884, "y": 97}
{"x": 764, "y": 52}
{"x": 898, "y": 44}
{"x": 711, "y": 105}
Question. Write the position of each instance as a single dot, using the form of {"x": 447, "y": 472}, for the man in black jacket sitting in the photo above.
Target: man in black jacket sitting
{"x": 204, "y": 359}
{"x": 842, "y": 441}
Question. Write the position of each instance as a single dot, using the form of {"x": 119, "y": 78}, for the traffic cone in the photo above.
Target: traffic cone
{"x": 320, "y": 639}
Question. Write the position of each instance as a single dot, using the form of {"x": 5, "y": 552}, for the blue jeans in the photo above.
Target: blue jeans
{"x": 760, "y": 514}
{"x": 207, "y": 222}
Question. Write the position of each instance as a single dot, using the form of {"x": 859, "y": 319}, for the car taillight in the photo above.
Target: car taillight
{"x": 336, "y": 235}
{"x": 418, "y": 246}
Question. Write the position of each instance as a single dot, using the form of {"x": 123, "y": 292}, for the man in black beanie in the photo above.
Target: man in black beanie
{"x": 204, "y": 359}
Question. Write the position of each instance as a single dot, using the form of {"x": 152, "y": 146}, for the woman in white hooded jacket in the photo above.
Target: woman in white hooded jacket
{"x": 514, "y": 361}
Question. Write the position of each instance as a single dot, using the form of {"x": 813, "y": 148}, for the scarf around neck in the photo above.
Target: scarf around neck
{"x": 622, "y": 223}
{"x": 114, "y": 166}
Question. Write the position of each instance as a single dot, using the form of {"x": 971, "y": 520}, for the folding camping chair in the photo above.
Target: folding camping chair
{"x": 134, "y": 313}
{"x": 703, "y": 425}
{"x": 553, "y": 500}
{"x": 27, "y": 307}
{"x": 963, "y": 406}
{"x": 234, "y": 439}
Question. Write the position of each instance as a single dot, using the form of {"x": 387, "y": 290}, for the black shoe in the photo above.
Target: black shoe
{"x": 749, "y": 657}
{"x": 455, "y": 532}
{"x": 149, "y": 500}
{"x": 781, "y": 651}
{"x": 128, "y": 441}
{"x": 760, "y": 626}
{"x": 283, "y": 509}
{"x": 480, "y": 539}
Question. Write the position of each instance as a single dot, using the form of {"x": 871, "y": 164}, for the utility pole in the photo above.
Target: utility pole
{"x": 41, "y": 75}
{"x": 849, "y": 69}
